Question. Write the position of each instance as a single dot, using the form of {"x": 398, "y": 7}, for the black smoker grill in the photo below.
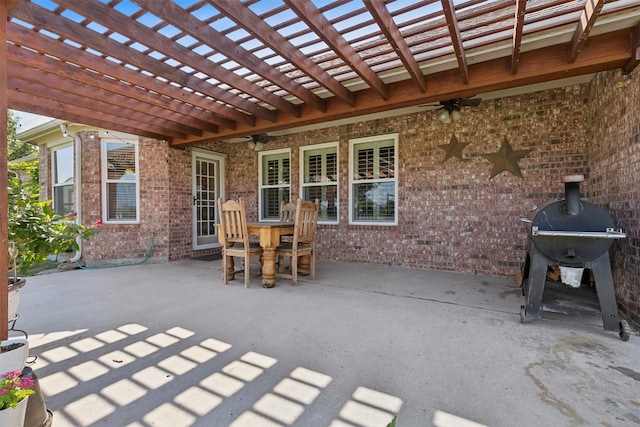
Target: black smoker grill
{"x": 576, "y": 234}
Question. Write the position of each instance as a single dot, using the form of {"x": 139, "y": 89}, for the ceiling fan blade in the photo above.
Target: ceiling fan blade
{"x": 262, "y": 137}
{"x": 470, "y": 102}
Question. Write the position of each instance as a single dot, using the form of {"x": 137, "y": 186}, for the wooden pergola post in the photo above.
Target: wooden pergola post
{"x": 4, "y": 262}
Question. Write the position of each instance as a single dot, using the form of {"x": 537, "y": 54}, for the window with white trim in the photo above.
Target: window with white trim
{"x": 62, "y": 179}
{"x": 319, "y": 179}
{"x": 373, "y": 180}
{"x": 121, "y": 200}
{"x": 275, "y": 182}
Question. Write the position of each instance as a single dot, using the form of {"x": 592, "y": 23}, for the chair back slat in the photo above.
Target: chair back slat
{"x": 233, "y": 221}
{"x": 306, "y": 221}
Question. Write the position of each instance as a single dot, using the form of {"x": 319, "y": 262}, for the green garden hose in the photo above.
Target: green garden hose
{"x": 146, "y": 257}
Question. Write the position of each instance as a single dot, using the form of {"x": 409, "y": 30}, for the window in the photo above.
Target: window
{"x": 319, "y": 179}
{"x": 62, "y": 178}
{"x": 120, "y": 181}
{"x": 373, "y": 180}
{"x": 275, "y": 183}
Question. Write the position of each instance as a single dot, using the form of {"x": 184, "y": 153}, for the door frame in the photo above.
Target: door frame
{"x": 197, "y": 153}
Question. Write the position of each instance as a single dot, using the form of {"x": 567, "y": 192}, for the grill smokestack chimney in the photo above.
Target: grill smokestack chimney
{"x": 572, "y": 193}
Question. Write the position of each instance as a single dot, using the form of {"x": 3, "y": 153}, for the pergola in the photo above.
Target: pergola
{"x": 188, "y": 71}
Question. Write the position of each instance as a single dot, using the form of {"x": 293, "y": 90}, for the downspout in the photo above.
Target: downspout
{"x": 77, "y": 181}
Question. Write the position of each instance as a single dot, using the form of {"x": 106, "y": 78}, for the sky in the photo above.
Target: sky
{"x": 27, "y": 121}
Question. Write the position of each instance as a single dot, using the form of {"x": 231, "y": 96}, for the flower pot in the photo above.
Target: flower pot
{"x": 14, "y": 297}
{"x": 13, "y": 354}
{"x": 14, "y": 417}
{"x": 37, "y": 414}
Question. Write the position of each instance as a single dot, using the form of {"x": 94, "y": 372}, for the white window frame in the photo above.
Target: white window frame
{"x": 302, "y": 170}
{"x": 261, "y": 186}
{"x": 54, "y": 185}
{"x": 103, "y": 154}
{"x": 352, "y": 181}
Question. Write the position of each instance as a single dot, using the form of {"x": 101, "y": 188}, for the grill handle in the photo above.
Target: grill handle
{"x": 609, "y": 234}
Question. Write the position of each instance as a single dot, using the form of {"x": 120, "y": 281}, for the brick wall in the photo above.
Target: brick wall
{"x": 165, "y": 205}
{"x": 127, "y": 243}
{"x": 451, "y": 216}
{"x": 614, "y": 117}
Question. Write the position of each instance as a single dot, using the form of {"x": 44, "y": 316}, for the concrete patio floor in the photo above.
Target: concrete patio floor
{"x": 170, "y": 345}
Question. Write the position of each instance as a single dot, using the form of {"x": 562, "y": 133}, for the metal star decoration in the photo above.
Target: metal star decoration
{"x": 453, "y": 148}
{"x": 506, "y": 159}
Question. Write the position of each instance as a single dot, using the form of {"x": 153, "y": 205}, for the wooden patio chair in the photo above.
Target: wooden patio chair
{"x": 235, "y": 239}
{"x": 287, "y": 214}
{"x": 304, "y": 240}
{"x": 288, "y": 211}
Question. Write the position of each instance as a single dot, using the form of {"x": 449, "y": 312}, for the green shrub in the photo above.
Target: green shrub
{"x": 35, "y": 230}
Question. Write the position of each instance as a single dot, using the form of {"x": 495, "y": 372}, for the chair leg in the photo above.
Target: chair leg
{"x": 224, "y": 269}
{"x": 246, "y": 268}
{"x": 294, "y": 270}
{"x": 312, "y": 265}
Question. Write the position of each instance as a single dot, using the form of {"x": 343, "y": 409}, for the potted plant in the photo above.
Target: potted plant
{"x": 14, "y": 392}
{"x": 13, "y": 354}
{"x": 36, "y": 231}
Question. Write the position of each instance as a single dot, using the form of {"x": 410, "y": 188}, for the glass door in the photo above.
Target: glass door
{"x": 207, "y": 187}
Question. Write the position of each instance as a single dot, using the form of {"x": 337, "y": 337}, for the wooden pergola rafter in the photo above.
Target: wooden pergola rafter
{"x": 385, "y": 21}
{"x": 517, "y": 34}
{"x": 587, "y": 20}
{"x": 456, "y": 39}
{"x": 221, "y": 69}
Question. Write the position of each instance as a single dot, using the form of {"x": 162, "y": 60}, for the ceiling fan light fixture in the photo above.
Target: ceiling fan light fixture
{"x": 258, "y": 146}
{"x": 444, "y": 117}
{"x": 624, "y": 81}
{"x": 456, "y": 115}
{"x": 252, "y": 145}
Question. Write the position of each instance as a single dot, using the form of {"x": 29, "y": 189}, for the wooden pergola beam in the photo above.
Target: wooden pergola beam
{"x": 105, "y": 15}
{"x": 456, "y": 39}
{"x": 240, "y": 13}
{"x": 131, "y": 72}
{"x": 604, "y": 52}
{"x": 23, "y": 63}
{"x": 42, "y": 18}
{"x": 314, "y": 18}
{"x": 47, "y": 107}
{"x": 518, "y": 26}
{"x": 59, "y": 90}
{"x": 105, "y": 101}
{"x": 587, "y": 19}
{"x": 174, "y": 14}
{"x": 196, "y": 106}
{"x": 389, "y": 28}
{"x": 634, "y": 45}
{"x": 4, "y": 201}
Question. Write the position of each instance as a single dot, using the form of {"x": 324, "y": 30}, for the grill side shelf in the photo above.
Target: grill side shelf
{"x": 610, "y": 233}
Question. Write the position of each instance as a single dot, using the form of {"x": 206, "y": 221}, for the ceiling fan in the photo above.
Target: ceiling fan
{"x": 450, "y": 109}
{"x": 257, "y": 141}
